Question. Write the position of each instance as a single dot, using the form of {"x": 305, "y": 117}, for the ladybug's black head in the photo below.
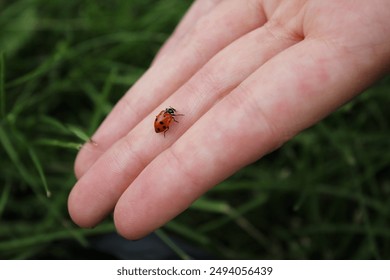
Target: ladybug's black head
{"x": 170, "y": 110}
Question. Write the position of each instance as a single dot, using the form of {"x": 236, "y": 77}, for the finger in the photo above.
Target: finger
{"x": 225, "y": 23}
{"x": 268, "y": 108}
{"x": 96, "y": 193}
{"x": 198, "y": 9}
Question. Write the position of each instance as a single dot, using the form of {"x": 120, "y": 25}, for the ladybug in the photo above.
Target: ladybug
{"x": 164, "y": 119}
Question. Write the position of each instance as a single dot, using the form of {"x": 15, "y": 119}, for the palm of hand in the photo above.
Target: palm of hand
{"x": 248, "y": 76}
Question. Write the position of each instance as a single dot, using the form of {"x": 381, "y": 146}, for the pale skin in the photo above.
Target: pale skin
{"x": 248, "y": 75}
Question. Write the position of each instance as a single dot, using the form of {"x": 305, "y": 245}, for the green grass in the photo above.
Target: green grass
{"x": 64, "y": 64}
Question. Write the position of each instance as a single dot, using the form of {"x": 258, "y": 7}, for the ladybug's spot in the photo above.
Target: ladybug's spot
{"x": 158, "y": 129}
{"x": 161, "y": 122}
{"x": 164, "y": 127}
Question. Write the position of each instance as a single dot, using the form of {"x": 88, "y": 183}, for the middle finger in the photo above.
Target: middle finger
{"x": 97, "y": 192}
{"x": 211, "y": 33}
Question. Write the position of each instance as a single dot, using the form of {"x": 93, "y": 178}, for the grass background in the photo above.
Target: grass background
{"x": 63, "y": 64}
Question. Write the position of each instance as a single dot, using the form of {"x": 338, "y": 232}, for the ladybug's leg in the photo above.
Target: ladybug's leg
{"x": 174, "y": 119}
{"x": 166, "y": 131}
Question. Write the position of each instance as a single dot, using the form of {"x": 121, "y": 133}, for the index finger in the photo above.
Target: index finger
{"x": 168, "y": 74}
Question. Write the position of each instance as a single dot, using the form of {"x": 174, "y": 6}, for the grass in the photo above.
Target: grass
{"x": 62, "y": 67}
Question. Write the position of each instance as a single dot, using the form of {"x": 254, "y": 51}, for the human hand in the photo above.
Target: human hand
{"x": 248, "y": 75}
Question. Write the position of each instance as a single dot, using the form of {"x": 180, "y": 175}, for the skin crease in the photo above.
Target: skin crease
{"x": 248, "y": 75}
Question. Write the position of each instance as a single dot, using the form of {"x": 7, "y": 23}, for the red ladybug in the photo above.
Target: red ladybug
{"x": 164, "y": 119}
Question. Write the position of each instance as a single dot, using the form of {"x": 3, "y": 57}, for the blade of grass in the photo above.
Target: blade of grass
{"x": 39, "y": 168}
{"x": 78, "y": 132}
{"x": 18, "y": 21}
{"x": 68, "y": 129}
{"x": 44, "y": 238}
{"x": 54, "y": 123}
{"x": 60, "y": 144}
{"x": 13, "y": 155}
{"x": 188, "y": 233}
{"x": 340, "y": 229}
{"x": 164, "y": 237}
{"x": 368, "y": 202}
{"x": 2, "y": 86}
{"x": 59, "y": 56}
{"x": 28, "y": 178}
{"x": 236, "y": 215}
{"x": 211, "y": 206}
{"x": 372, "y": 244}
{"x": 4, "y": 197}
{"x": 100, "y": 100}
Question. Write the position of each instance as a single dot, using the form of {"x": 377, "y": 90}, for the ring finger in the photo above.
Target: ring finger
{"x": 97, "y": 192}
